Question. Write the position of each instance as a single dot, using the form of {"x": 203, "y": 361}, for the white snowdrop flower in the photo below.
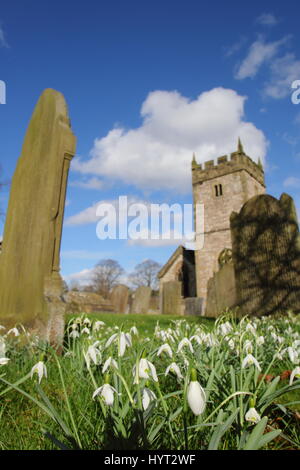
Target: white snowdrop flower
{"x": 111, "y": 340}
{"x": 124, "y": 342}
{"x": 280, "y": 339}
{"x": 2, "y": 347}
{"x": 185, "y": 342}
{"x": 248, "y": 348}
{"x": 74, "y": 326}
{"x": 196, "y": 395}
{"x": 260, "y": 340}
{"x": 134, "y": 330}
{"x": 295, "y": 373}
{"x": 225, "y": 328}
{"x": 87, "y": 322}
{"x": 94, "y": 354}
{"x": 293, "y": 355}
{"x": 147, "y": 397}
{"x": 146, "y": 370}
{"x": 296, "y": 344}
{"x": 252, "y": 416}
{"x": 175, "y": 369}
{"x": 274, "y": 336}
{"x": 98, "y": 324}
{"x": 13, "y": 331}
{"x": 74, "y": 334}
{"x": 110, "y": 362}
{"x": 231, "y": 343}
{"x": 250, "y": 360}
{"x": 165, "y": 348}
{"x": 106, "y": 392}
{"x": 4, "y": 361}
{"x": 197, "y": 338}
{"x": 251, "y": 328}
{"x": 39, "y": 369}
{"x": 146, "y": 340}
{"x": 85, "y": 330}
{"x": 2, "y": 327}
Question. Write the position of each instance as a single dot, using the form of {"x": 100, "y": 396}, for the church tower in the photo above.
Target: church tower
{"x": 220, "y": 189}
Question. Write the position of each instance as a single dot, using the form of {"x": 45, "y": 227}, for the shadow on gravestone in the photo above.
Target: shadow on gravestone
{"x": 266, "y": 256}
{"x": 31, "y": 287}
{"x": 119, "y": 298}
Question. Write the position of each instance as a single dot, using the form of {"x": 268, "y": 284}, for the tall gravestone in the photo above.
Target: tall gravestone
{"x": 266, "y": 256}
{"x": 119, "y": 298}
{"x": 31, "y": 287}
{"x": 141, "y": 300}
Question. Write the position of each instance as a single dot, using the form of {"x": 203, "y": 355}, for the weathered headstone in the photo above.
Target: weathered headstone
{"x": 171, "y": 298}
{"x": 266, "y": 255}
{"x": 221, "y": 289}
{"x": 87, "y": 302}
{"x": 119, "y": 298}
{"x": 30, "y": 283}
{"x": 141, "y": 300}
{"x": 193, "y": 306}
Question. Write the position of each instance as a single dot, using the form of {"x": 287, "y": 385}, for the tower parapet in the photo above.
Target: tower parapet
{"x": 238, "y": 161}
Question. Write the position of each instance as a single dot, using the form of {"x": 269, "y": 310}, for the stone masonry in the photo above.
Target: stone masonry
{"x": 221, "y": 188}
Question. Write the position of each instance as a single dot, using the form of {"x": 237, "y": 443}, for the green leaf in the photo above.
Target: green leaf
{"x": 220, "y": 430}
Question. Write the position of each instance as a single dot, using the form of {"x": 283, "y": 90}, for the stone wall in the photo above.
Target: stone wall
{"x": 241, "y": 178}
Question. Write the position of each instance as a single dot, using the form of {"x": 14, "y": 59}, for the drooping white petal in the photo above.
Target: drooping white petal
{"x": 196, "y": 398}
{"x": 175, "y": 369}
{"x": 295, "y": 373}
{"x": 165, "y": 348}
{"x": 148, "y": 397}
{"x": 252, "y": 416}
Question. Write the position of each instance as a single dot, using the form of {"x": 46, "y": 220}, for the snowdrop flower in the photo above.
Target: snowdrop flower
{"x": 225, "y": 328}
{"x": 94, "y": 354}
{"x": 85, "y": 330}
{"x": 295, "y": 373}
{"x": 260, "y": 341}
{"x": 124, "y": 340}
{"x": 248, "y": 346}
{"x": 195, "y": 395}
{"x": 39, "y": 369}
{"x": 98, "y": 324}
{"x": 87, "y": 322}
{"x": 185, "y": 342}
{"x": 147, "y": 397}
{"x": 293, "y": 355}
{"x": 165, "y": 348}
{"x": 74, "y": 334}
{"x": 110, "y": 362}
{"x": 2, "y": 347}
{"x": 198, "y": 338}
{"x": 14, "y": 331}
{"x": 175, "y": 369}
{"x": 106, "y": 392}
{"x": 145, "y": 370}
{"x": 296, "y": 343}
{"x": 3, "y": 361}
{"x": 74, "y": 326}
{"x": 250, "y": 360}
{"x": 252, "y": 416}
{"x": 134, "y": 330}
{"x": 231, "y": 344}
{"x": 252, "y": 328}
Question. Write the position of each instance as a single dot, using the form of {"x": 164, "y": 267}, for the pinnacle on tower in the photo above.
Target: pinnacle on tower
{"x": 240, "y": 146}
{"x": 194, "y": 163}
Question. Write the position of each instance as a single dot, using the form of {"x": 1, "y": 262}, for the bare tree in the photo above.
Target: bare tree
{"x": 145, "y": 274}
{"x": 106, "y": 275}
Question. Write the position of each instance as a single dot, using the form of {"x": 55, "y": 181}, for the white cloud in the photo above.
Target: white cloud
{"x": 157, "y": 155}
{"x": 3, "y": 42}
{"x": 83, "y": 277}
{"x": 284, "y": 70}
{"x": 292, "y": 182}
{"x": 259, "y": 53}
{"x": 91, "y": 183}
{"x": 267, "y": 19}
{"x": 84, "y": 254}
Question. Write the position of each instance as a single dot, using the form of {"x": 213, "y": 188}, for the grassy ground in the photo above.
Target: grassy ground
{"x": 25, "y": 426}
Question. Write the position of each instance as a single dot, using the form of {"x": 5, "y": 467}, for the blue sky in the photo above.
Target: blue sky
{"x": 147, "y": 84}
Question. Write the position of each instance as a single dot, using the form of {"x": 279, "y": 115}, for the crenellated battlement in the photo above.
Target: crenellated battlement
{"x": 238, "y": 161}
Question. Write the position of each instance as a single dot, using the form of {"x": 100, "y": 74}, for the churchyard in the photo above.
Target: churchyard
{"x": 153, "y": 382}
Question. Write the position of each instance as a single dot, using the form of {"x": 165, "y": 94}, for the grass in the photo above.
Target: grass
{"x": 75, "y": 419}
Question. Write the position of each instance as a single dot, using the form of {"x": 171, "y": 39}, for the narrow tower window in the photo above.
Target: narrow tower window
{"x": 218, "y": 190}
